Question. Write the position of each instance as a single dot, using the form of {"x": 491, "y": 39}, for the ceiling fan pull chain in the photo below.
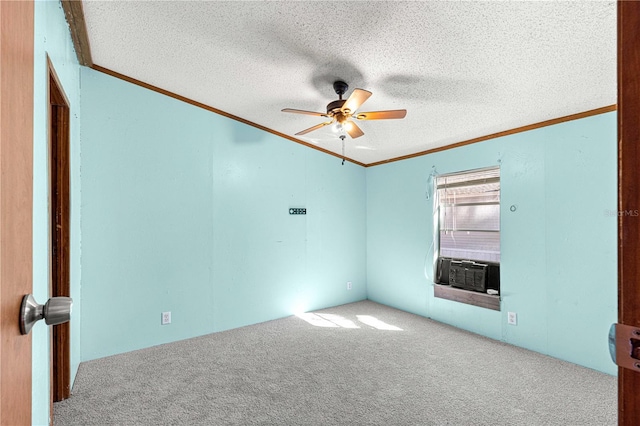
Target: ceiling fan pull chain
{"x": 342, "y": 137}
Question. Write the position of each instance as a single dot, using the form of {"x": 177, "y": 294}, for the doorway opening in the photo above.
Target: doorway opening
{"x": 59, "y": 189}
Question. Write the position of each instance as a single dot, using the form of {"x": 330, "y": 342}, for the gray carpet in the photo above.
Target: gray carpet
{"x": 294, "y": 371}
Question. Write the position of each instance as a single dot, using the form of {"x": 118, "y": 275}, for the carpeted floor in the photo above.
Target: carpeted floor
{"x": 356, "y": 364}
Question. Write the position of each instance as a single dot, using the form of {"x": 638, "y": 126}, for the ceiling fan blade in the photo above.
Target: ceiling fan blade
{"x": 311, "y": 129}
{"x": 301, "y": 111}
{"x": 354, "y": 101}
{"x": 353, "y": 130}
{"x": 382, "y": 115}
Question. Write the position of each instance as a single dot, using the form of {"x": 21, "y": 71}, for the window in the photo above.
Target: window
{"x": 467, "y": 216}
{"x": 468, "y": 206}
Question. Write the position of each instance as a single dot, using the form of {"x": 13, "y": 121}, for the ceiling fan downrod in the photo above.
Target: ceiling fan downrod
{"x": 340, "y": 87}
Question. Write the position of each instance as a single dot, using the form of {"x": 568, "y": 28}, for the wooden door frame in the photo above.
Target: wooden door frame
{"x": 628, "y": 196}
{"x": 16, "y": 205}
{"x": 59, "y": 190}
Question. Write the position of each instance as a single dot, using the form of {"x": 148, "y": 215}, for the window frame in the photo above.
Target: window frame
{"x": 484, "y": 294}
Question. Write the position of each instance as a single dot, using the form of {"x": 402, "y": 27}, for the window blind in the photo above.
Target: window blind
{"x": 469, "y": 215}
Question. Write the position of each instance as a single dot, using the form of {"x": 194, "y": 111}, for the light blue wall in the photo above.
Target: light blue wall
{"x": 52, "y": 38}
{"x": 183, "y": 207}
{"x": 186, "y": 211}
{"x": 558, "y": 249}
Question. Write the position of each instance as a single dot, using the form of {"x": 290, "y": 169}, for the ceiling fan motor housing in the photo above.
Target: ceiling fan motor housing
{"x": 335, "y": 106}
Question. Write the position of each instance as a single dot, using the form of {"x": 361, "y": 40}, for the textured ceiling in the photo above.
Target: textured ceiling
{"x": 461, "y": 69}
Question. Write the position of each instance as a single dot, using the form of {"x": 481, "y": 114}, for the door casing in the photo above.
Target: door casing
{"x": 59, "y": 188}
{"x": 628, "y": 196}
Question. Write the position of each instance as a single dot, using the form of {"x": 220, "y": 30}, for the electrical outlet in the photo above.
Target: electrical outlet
{"x": 348, "y": 285}
{"x": 166, "y": 318}
{"x": 512, "y": 318}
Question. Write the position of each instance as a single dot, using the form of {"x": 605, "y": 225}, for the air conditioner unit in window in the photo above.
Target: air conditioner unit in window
{"x": 468, "y": 275}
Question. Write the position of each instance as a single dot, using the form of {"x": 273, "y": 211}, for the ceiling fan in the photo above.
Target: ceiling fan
{"x": 343, "y": 111}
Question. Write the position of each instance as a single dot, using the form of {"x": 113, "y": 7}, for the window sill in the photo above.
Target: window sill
{"x": 482, "y": 300}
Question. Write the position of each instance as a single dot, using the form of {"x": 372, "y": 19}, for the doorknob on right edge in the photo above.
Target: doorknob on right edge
{"x": 57, "y": 310}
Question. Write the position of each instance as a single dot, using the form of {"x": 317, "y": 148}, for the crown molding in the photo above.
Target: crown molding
{"x": 74, "y": 14}
{"x": 534, "y": 126}
{"x": 219, "y": 112}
